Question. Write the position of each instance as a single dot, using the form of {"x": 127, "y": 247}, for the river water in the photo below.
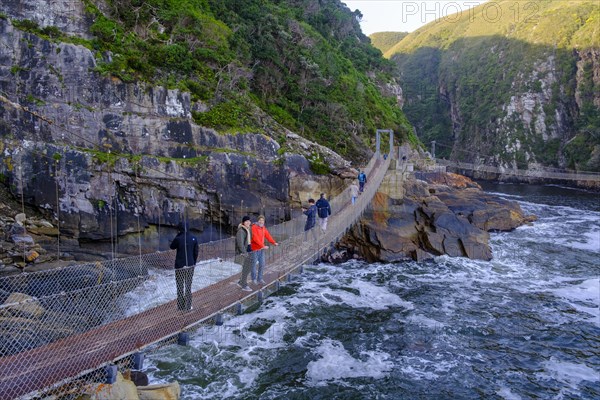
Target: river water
{"x": 524, "y": 325}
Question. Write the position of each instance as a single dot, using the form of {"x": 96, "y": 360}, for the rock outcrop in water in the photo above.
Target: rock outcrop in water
{"x": 434, "y": 214}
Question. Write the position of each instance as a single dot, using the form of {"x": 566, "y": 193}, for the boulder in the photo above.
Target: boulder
{"x": 121, "y": 389}
{"x": 24, "y": 305}
{"x": 434, "y": 215}
{"x": 169, "y": 391}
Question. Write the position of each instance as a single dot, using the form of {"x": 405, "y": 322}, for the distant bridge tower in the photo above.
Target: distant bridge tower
{"x": 378, "y": 141}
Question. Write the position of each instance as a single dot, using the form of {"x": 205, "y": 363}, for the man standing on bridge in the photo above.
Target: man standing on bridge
{"x": 259, "y": 235}
{"x": 243, "y": 250}
{"x": 185, "y": 261}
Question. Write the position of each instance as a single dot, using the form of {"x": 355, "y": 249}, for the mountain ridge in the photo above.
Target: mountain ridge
{"x": 518, "y": 92}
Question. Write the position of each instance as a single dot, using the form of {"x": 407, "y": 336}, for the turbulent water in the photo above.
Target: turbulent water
{"x": 525, "y": 325}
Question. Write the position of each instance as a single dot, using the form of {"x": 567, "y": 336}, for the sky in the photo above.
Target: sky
{"x": 406, "y": 15}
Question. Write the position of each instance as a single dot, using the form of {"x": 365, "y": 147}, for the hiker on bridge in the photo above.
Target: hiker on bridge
{"x": 362, "y": 179}
{"x": 311, "y": 217}
{"x": 243, "y": 250}
{"x": 354, "y": 192}
{"x": 324, "y": 211}
{"x": 259, "y": 234}
{"x": 185, "y": 261}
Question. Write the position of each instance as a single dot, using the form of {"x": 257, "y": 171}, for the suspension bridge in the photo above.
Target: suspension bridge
{"x": 478, "y": 169}
{"x": 70, "y": 338}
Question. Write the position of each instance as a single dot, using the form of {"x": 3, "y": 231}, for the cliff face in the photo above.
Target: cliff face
{"x": 103, "y": 158}
{"x": 519, "y": 91}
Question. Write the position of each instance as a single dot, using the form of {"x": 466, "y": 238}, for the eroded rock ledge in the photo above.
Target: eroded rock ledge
{"x": 438, "y": 213}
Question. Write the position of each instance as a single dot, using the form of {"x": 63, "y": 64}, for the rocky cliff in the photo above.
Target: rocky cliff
{"x": 101, "y": 153}
{"x": 430, "y": 214}
{"x": 509, "y": 84}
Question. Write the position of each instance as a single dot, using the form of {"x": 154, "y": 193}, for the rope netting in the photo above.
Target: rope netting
{"x": 63, "y": 325}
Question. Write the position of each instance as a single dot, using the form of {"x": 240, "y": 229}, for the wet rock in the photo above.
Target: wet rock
{"x": 429, "y": 218}
{"x": 22, "y": 305}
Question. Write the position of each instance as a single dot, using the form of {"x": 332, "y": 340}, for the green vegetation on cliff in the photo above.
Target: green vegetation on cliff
{"x": 305, "y": 63}
{"x": 512, "y": 82}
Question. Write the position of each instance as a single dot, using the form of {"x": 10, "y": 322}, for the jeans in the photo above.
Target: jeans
{"x": 361, "y": 186}
{"x": 183, "y": 278}
{"x": 247, "y": 261}
{"x": 260, "y": 259}
{"x": 353, "y": 199}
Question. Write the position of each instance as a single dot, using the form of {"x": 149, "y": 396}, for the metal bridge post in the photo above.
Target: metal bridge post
{"x": 219, "y": 319}
{"x": 260, "y": 296}
{"x": 183, "y": 339}
{"x": 111, "y": 374}
{"x": 138, "y": 360}
{"x": 239, "y": 309}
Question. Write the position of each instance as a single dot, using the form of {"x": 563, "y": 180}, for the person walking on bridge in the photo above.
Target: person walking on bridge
{"x": 243, "y": 250}
{"x": 259, "y": 234}
{"x": 311, "y": 217}
{"x": 324, "y": 211}
{"x": 354, "y": 192}
{"x": 185, "y": 261}
{"x": 362, "y": 179}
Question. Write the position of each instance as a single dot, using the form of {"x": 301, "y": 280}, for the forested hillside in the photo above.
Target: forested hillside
{"x": 511, "y": 83}
{"x": 305, "y": 63}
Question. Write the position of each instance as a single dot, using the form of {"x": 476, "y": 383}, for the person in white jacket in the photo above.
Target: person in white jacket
{"x": 354, "y": 192}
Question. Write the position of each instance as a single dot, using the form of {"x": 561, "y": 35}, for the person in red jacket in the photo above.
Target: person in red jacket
{"x": 259, "y": 234}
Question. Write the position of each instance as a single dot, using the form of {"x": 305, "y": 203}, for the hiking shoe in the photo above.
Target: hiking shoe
{"x": 254, "y": 282}
{"x": 261, "y": 282}
{"x": 247, "y": 288}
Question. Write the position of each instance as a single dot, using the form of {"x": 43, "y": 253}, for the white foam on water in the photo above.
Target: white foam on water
{"x": 569, "y": 373}
{"x": 336, "y": 364}
{"x": 160, "y": 287}
{"x": 421, "y": 320}
{"x": 422, "y": 369}
{"x": 583, "y": 296}
{"x": 370, "y": 296}
{"x": 587, "y": 241}
{"x": 507, "y": 394}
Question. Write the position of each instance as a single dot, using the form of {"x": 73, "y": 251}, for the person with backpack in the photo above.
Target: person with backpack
{"x": 323, "y": 211}
{"x": 185, "y": 261}
{"x": 362, "y": 179}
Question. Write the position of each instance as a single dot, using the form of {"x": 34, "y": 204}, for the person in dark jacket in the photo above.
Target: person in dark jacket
{"x": 362, "y": 179}
{"x": 324, "y": 211}
{"x": 185, "y": 261}
{"x": 311, "y": 217}
{"x": 243, "y": 251}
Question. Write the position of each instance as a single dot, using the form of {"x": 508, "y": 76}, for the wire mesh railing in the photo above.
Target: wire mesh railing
{"x": 62, "y": 323}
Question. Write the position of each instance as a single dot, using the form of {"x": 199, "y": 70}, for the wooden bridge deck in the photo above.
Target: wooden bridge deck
{"x": 67, "y": 358}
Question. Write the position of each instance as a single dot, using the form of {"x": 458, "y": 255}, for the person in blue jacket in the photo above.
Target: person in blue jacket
{"x": 185, "y": 261}
{"x": 311, "y": 218}
{"x": 362, "y": 179}
{"x": 324, "y": 211}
